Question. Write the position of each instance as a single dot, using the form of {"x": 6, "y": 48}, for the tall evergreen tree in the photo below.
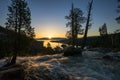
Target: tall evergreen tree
{"x": 105, "y": 39}
{"x": 19, "y": 20}
{"x": 75, "y": 19}
{"x": 103, "y": 30}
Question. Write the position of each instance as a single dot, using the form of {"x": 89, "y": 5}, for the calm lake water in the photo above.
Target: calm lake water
{"x": 53, "y": 44}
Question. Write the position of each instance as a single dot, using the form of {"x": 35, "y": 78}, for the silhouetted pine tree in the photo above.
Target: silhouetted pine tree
{"x": 19, "y": 20}
{"x": 105, "y": 39}
{"x": 75, "y": 19}
{"x": 103, "y": 30}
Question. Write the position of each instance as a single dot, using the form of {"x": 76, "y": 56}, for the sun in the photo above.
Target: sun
{"x": 49, "y": 37}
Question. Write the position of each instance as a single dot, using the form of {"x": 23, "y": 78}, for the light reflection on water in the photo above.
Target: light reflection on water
{"x": 53, "y": 44}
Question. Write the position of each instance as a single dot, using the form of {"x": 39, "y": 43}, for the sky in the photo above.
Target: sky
{"x": 48, "y": 16}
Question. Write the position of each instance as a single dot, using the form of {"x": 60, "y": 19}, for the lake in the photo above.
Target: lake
{"x": 53, "y": 42}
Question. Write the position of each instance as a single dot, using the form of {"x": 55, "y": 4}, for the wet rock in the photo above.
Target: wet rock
{"x": 107, "y": 57}
{"x": 44, "y": 58}
{"x": 48, "y": 73}
{"x": 92, "y": 54}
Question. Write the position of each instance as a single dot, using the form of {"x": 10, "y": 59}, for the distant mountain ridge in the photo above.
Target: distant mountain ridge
{"x": 52, "y": 39}
{"x": 90, "y": 40}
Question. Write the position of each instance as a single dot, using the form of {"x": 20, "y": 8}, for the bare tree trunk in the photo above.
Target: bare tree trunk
{"x": 73, "y": 30}
{"x": 87, "y": 24}
{"x": 13, "y": 60}
{"x": 14, "y": 57}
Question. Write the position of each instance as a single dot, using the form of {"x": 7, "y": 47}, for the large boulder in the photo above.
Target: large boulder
{"x": 72, "y": 51}
{"x": 12, "y": 73}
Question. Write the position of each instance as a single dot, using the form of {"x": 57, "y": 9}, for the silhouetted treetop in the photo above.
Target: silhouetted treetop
{"x": 103, "y": 30}
{"x": 19, "y": 20}
{"x": 75, "y": 20}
